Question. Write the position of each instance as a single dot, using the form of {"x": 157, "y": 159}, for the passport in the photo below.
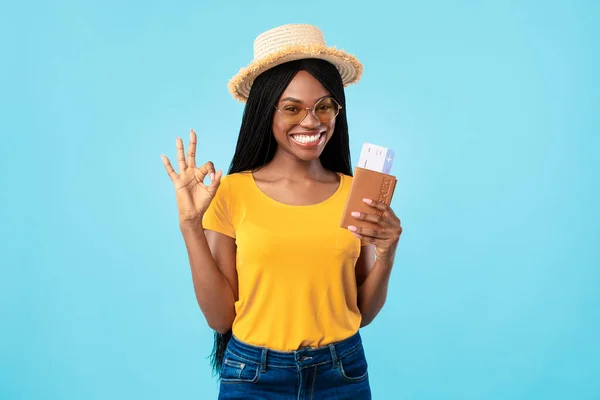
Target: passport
{"x": 369, "y": 184}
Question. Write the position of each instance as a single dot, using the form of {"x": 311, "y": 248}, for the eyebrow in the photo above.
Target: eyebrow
{"x": 300, "y": 101}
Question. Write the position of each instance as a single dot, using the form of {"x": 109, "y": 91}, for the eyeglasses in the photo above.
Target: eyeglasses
{"x": 324, "y": 110}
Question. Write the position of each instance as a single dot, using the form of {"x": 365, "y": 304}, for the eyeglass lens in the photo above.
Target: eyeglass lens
{"x": 325, "y": 110}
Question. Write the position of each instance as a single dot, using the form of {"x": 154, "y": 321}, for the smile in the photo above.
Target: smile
{"x": 308, "y": 140}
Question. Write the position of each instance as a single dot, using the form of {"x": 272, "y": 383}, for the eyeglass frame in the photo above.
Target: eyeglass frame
{"x": 312, "y": 109}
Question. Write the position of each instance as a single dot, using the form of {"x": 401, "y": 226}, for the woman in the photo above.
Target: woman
{"x": 284, "y": 287}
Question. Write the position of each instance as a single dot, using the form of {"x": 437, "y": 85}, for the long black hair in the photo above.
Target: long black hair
{"x": 256, "y": 145}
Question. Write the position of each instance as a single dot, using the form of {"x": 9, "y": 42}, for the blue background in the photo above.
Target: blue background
{"x": 491, "y": 106}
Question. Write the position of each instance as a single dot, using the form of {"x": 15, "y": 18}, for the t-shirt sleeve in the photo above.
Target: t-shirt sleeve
{"x": 218, "y": 216}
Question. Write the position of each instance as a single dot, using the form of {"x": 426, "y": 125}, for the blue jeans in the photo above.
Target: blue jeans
{"x": 337, "y": 371}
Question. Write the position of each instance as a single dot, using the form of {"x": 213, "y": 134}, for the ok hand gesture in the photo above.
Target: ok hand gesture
{"x": 192, "y": 195}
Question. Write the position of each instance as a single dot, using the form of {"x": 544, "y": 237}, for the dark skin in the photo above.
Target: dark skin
{"x": 295, "y": 176}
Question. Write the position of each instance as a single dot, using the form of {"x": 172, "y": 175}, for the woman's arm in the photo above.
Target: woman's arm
{"x": 212, "y": 262}
{"x": 372, "y": 277}
{"x": 376, "y": 261}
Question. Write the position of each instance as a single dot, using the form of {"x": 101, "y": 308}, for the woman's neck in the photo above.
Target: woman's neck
{"x": 287, "y": 166}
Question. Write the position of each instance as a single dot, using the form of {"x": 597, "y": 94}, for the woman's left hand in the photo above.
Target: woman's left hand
{"x": 387, "y": 233}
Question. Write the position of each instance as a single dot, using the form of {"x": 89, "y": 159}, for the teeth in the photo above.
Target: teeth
{"x": 306, "y": 138}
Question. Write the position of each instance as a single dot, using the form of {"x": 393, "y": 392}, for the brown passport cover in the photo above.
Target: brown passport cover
{"x": 370, "y": 185}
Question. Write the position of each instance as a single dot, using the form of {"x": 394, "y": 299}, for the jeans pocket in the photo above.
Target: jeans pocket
{"x": 237, "y": 370}
{"x": 354, "y": 367}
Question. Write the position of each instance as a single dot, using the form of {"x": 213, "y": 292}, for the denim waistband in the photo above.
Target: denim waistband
{"x": 304, "y": 357}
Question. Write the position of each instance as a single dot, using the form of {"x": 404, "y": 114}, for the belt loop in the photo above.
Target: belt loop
{"x": 263, "y": 361}
{"x": 333, "y": 355}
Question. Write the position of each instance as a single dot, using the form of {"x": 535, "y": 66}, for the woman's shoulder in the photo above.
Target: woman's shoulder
{"x": 237, "y": 175}
{"x": 346, "y": 179}
{"x": 237, "y": 179}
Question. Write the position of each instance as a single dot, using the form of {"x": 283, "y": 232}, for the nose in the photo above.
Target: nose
{"x": 310, "y": 121}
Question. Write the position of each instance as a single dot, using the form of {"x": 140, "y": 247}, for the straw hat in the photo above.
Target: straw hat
{"x": 287, "y": 43}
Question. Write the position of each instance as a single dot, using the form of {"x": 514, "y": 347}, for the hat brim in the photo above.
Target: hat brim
{"x": 349, "y": 67}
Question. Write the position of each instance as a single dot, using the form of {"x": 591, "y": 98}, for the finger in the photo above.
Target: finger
{"x": 376, "y": 204}
{"x": 383, "y": 208}
{"x": 214, "y": 184}
{"x": 170, "y": 171}
{"x": 207, "y": 169}
{"x": 371, "y": 240}
{"x": 370, "y": 232}
{"x": 180, "y": 155}
{"x": 191, "y": 155}
{"x": 374, "y": 218}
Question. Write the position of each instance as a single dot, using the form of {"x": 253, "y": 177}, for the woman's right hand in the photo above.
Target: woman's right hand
{"x": 192, "y": 195}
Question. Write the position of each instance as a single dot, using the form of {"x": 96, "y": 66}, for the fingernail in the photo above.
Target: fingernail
{"x": 368, "y": 201}
{"x": 212, "y": 176}
{"x": 352, "y": 228}
{"x": 355, "y": 214}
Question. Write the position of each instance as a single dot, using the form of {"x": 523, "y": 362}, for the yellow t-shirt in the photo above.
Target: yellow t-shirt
{"x": 295, "y": 265}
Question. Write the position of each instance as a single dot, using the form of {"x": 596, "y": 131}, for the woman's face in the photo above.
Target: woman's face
{"x": 306, "y": 140}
